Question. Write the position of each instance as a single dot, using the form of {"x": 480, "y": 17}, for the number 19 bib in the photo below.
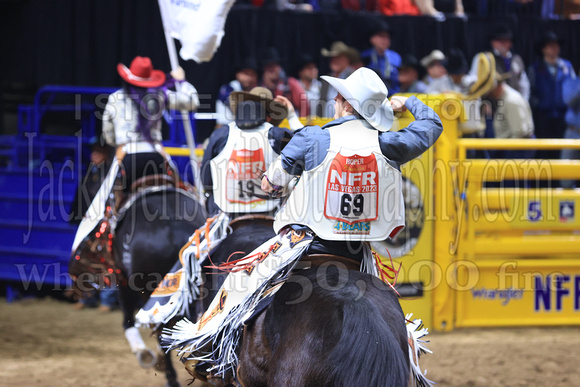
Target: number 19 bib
{"x": 352, "y": 187}
{"x": 237, "y": 170}
{"x": 245, "y": 168}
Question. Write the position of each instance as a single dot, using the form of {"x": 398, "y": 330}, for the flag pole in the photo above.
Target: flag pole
{"x": 172, "y": 50}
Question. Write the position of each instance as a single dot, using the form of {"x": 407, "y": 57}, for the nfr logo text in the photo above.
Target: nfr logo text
{"x": 550, "y": 293}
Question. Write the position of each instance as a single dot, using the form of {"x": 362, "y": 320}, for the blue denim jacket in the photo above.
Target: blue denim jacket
{"x": 571, "y": 96}
{"x": 309, "y": 146}
{"x": 546, "y": 89}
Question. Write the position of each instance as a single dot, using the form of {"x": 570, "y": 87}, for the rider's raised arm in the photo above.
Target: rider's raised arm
{"x": 412, "y": 141}
{"x": 184, "y": 99}
{"x": 293, "y": 121}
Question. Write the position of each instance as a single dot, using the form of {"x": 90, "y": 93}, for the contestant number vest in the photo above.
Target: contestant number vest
{"x": 237, "y": 170}
{"x": 354, "y": 194}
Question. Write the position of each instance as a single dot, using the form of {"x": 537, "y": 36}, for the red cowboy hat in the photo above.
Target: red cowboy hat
{"x": 141, "y": 73}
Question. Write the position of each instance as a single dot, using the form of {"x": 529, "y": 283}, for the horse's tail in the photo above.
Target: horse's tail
{"x": 368, "y": 338}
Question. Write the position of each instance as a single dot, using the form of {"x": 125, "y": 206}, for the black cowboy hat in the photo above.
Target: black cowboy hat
{"x": 500, "y": 32}
{"x": 545, "y": 38}
{"x": 376, "y": 27}
{"x": 409, "y": 61}
{"x": 456, "y": 62}
{"x": 302, "y": 60}
{"x": 248, "y": 62}
{"x": 269, "y": 56}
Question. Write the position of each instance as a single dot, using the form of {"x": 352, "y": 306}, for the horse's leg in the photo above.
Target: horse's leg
{"x": 254, "y": 354}
{"x": 129, "y": 300}
{"x": 165, "y": 364}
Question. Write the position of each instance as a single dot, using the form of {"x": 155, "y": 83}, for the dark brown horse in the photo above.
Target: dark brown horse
{"x": 326, "y": 326}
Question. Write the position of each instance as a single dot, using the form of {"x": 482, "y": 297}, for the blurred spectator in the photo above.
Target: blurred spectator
{"x": 380, "y": 58}
{"x": 427, "y": 8}
{"x": 105, "y": 298}
{"x": 477, "y": 120}
{"x": 568, "y": 9}
{"x": 274, "y": 79}
{"x": 246, "y": 74}
{"x": 456, "y": 66}
{"x": 291, "y": 5}
{"x": 450, "y": 7}
{"x": 359, "y": 5}
{"x": 398, "y": 7}
{"x": 512, "y": 115}
{"x": 342, "y": 57}
{"x": 547, "y": 76}
{"x": 298, "y": 5}
{"x": 571, "y": 96}
{"x": 437, "y": 79}
{"x": 306, "y": 73}
{"x": 409, "y": 76}
{"x": 101, "y": 158}
{"x": 507, "y": 62}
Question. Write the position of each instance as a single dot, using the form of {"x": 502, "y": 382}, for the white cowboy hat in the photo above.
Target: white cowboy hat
{"x": 367, "y": 94}
{"x": 433, "y": 56}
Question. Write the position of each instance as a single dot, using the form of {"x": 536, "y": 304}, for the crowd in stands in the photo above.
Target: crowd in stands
{"x": 549, "y": 9}
{"x": 516, "y": 99}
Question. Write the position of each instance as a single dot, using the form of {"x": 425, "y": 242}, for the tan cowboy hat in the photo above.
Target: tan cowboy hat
{"x": 141, "y": 73}
{"x": 487, "y": 75}
{"x": 367, "y": 94}
{"x": 274, "y": 109}
{"x": 340, "y": 48}
{"x": 434, "y": 55}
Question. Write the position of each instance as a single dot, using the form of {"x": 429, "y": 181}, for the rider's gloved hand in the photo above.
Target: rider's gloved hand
{"x": 273, "y": 190}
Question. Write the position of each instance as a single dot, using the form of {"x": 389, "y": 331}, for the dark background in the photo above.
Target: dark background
{"x": 71, "y": 42}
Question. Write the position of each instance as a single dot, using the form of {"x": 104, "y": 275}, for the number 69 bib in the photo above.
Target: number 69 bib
{"x": 348, "y": 196}
{"x": 352, "y": 187}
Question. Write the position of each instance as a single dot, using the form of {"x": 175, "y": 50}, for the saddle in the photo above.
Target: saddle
{"x": 93, "y": 264}
{"x": 153, "y": 181}
{"x": 315, "y": 260}
{"x": 121, "y": 198}
{"x": 241, "y": 220}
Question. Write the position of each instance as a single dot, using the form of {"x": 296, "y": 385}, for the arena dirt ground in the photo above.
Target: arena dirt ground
{"x": 46, "y": 342}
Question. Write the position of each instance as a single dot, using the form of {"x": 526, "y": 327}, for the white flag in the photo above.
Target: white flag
{"x": 198, "y": 24}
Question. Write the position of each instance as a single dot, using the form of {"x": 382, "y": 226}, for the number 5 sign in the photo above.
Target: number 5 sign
{"x": 534, "y": 210}
{"x": 352, "y": 187}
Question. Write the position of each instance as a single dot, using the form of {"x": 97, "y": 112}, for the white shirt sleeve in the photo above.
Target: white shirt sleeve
{"x": 108, "y": 126}
{"x": 185, "y": 99}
